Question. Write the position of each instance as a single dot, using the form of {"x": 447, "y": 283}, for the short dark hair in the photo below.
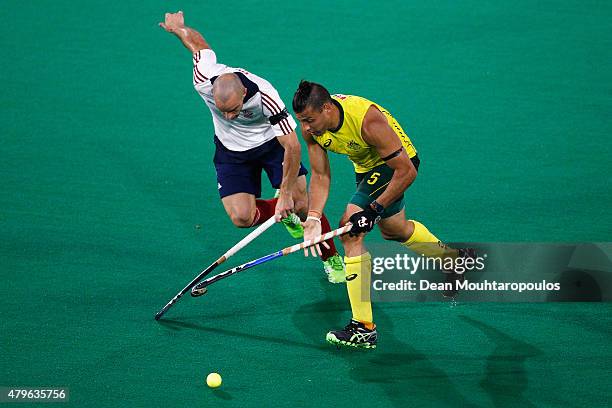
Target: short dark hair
{"x": 310, "y": 94}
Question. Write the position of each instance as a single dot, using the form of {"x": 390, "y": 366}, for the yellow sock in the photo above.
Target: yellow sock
{"x": 358, "y": 276}
{"x": 425, "y": 243}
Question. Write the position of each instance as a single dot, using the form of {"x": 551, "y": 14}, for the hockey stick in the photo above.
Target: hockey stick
{"x": 243, "y": 242}
{"x": 200, "y": 289}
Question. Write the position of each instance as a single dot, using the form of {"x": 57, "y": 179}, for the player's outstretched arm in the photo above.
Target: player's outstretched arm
{"x": 318, "y": 190}
{"x": 291, "y": 167}
{"x": 377, "y": 132}
{"x": 175, "y": 23}
{"x": 320, "y": 179}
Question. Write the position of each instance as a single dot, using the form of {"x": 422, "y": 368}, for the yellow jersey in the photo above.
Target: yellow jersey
{"x": 347, "y": 138}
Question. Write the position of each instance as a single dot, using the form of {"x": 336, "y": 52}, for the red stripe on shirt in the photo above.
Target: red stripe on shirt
{"x": 201, "y": 74}
{"x": 196, "y": 78}
{"x": 283, "y": 128}
{"x": 274, "y": 110}
{"x": 288, "y": 125}
{"x": 286, "y": 130}
{"x": 268, "y": 104}
{"x": 286, "y": 122}
{"x": 271, "y": 100}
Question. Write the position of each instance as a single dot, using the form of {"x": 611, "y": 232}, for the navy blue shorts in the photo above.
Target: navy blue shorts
{"x": 240, "y": 172}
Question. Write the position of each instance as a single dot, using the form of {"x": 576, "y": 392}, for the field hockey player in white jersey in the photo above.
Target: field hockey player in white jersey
{"x": 253, "y": 133}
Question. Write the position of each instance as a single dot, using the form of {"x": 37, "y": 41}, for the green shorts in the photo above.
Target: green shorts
{"x": 371, "y": 185}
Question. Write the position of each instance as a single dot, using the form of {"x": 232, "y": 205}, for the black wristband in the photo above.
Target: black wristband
{"x": 378, "y": 209}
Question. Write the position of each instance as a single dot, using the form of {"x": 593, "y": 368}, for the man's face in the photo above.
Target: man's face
{"x": 315, "y": 121}
{"x": 232, "y": 107}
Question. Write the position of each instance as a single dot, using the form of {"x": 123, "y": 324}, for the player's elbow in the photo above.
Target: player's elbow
{"x": 295, "y": 147}
{"x": 412, "y": 174}
{"x": 407, "y": 175}
{"x": 292, "y": 145}
{"x": 320, "y": 177}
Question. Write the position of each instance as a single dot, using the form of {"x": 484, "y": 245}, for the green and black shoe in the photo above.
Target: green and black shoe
{"x": 354, "y": 334}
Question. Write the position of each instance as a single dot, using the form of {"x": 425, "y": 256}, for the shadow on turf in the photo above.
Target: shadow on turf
{"x": 406, "y": 376}
{"x": 178, "y": 325}
{"x": 505, "y": 379}
{"x": 222, "y": 395}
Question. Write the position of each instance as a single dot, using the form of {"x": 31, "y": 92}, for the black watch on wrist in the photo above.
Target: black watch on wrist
{"x": 378, "y": 209}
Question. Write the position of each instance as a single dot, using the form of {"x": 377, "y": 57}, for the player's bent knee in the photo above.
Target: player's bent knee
{"x": 386, "y": 236}
{"x": 343, "y": 221}
{"x": 397, "y": 230}
{"x": 301, "y": 209}
{"x": 348, "y": 239}
{"x": 393, "y": 237}
{"x": 400, "y": 235}
{"x": 350, "y": 244}
{"x": 242, "y": 219}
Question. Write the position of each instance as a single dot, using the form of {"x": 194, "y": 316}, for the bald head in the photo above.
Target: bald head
{"x": 228, "y": 92}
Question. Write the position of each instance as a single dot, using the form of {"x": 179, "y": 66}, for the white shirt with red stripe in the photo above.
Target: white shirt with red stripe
{"x": 252, "y": 127}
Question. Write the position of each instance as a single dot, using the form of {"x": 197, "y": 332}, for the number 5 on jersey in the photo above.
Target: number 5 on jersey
{"x": 373, "y": 178}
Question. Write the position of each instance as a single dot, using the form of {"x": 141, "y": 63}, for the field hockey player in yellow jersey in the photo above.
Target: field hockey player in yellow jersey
{"x": 386, "y": 164}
